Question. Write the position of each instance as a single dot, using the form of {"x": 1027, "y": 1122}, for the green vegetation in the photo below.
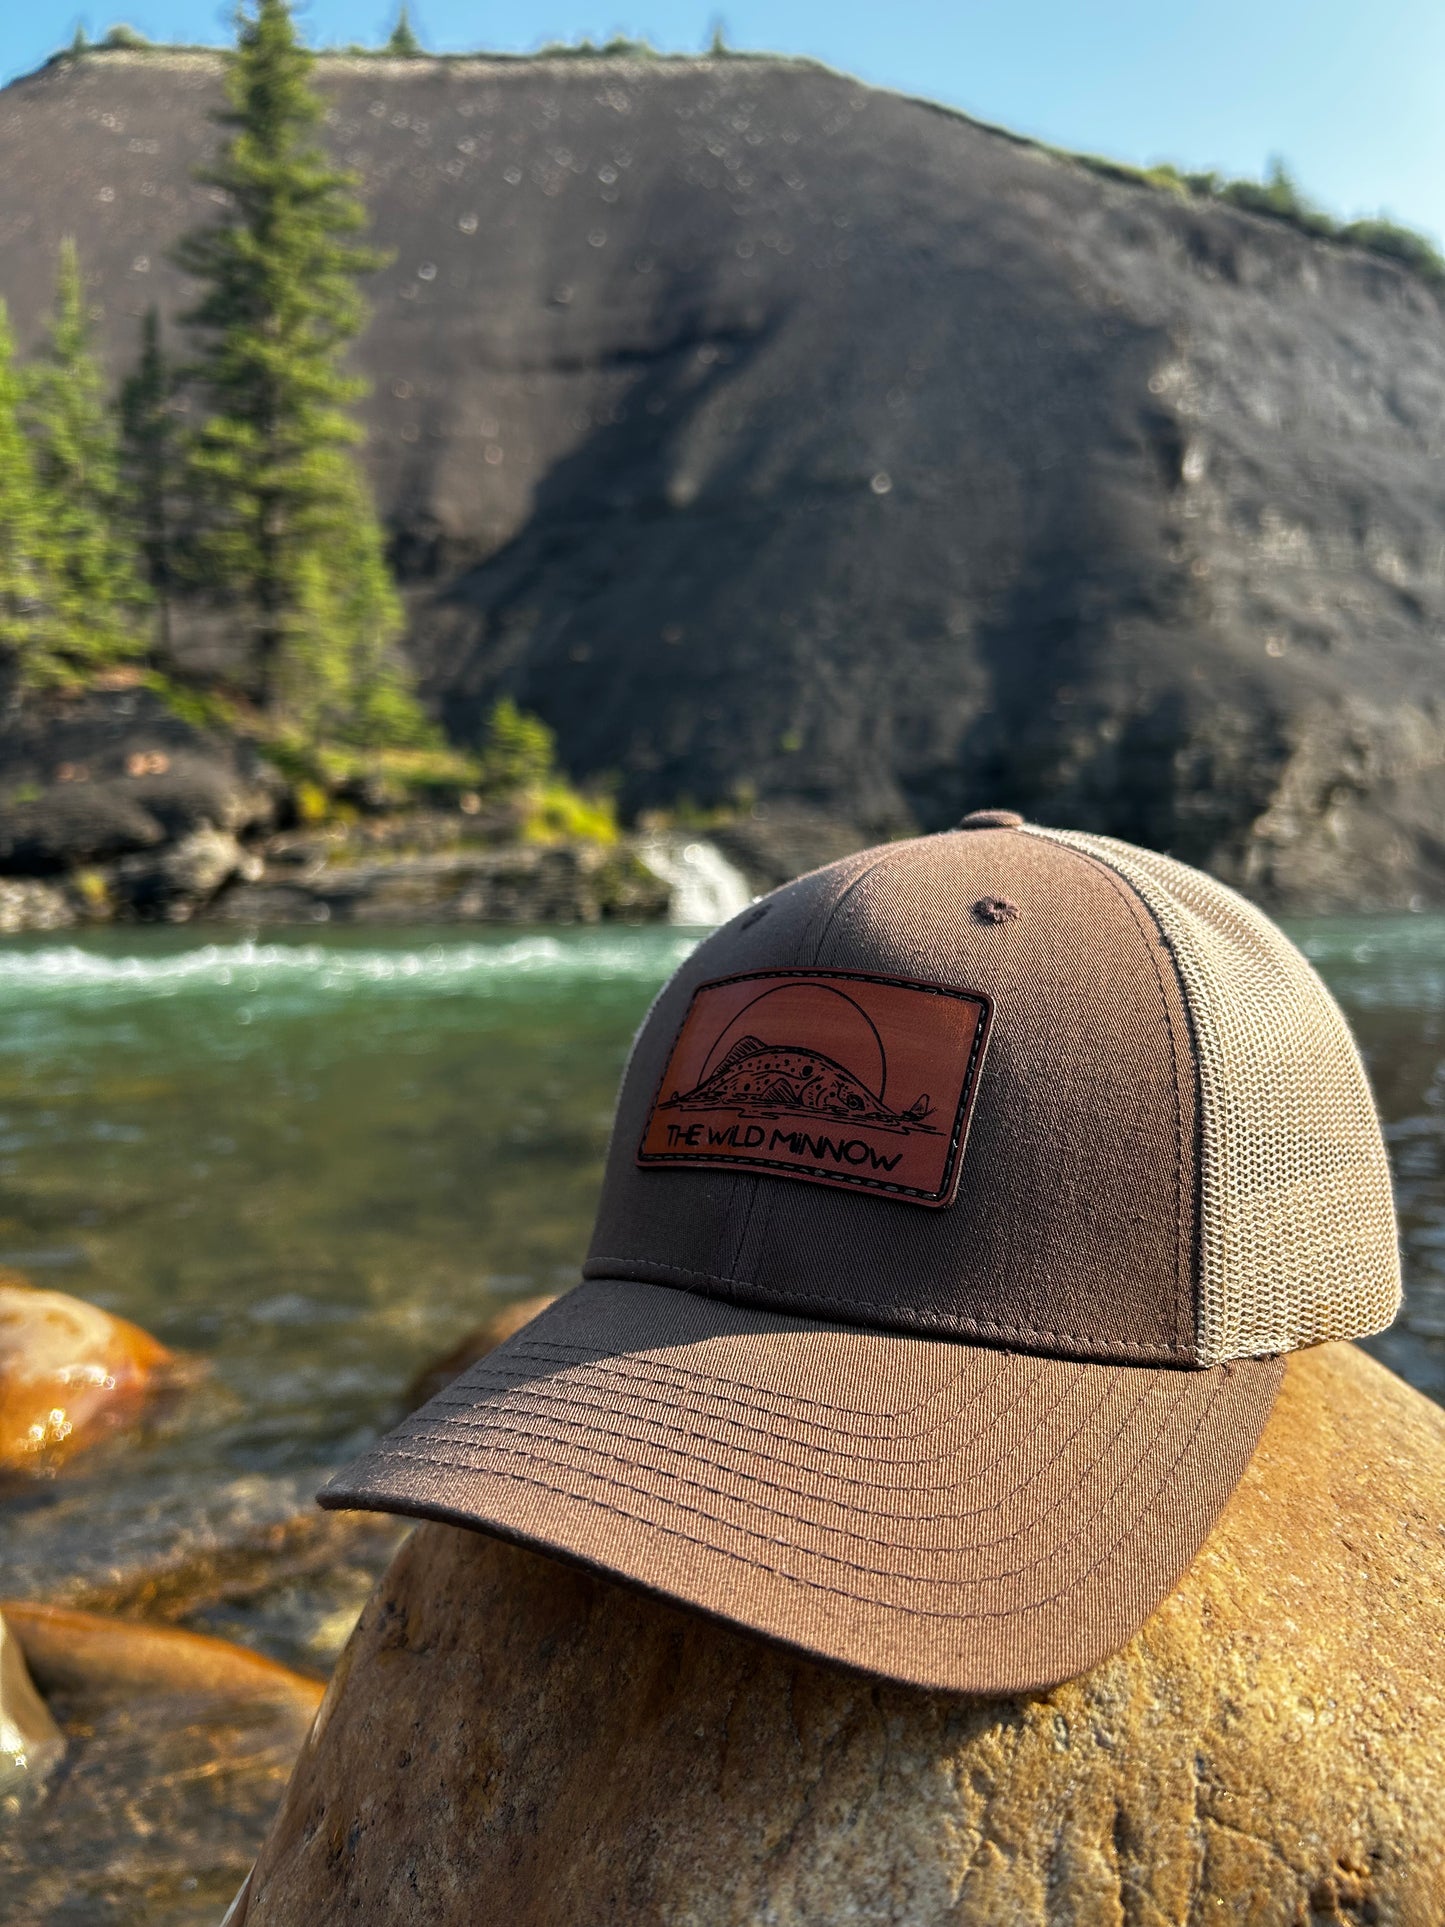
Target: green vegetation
{"x": 518, "y": 759}
{"x": 111, "y": 518}
{"x": 24, "y": 617}
{"x": 93, "y": 599}
{"x": 403, "y": 42}
{"x": 1279, "y": 198}
{"x": 107, "y": 514}
{"x": 518, "y": 752}
{"x": 148, "y": 464}
{"x": 280, "y": 519}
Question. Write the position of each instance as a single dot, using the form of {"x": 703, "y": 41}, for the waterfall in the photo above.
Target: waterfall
{"x": 706, "y": 888}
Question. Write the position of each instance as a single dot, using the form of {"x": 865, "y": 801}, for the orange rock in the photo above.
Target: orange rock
{"x": 70, "y": 1374}
{"x": 101, "y": 1657}
{"x": 477, "y": 1343}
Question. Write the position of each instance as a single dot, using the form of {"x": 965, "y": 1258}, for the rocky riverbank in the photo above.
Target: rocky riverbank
{"x": 114, "y": 809}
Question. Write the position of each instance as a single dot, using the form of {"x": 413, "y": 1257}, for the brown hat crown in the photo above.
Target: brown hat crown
{"x": 1148, "y": 1134}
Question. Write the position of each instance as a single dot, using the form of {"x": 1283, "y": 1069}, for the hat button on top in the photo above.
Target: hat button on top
{"x": 991, "y": 820}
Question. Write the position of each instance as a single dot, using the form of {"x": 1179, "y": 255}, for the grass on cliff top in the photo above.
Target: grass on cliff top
{"x": 516, "y": 764}
{"x": 1277, "y": 198}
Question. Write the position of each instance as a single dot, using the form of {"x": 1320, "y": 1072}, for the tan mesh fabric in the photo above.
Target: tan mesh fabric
{"x": 1297, "y": 1229}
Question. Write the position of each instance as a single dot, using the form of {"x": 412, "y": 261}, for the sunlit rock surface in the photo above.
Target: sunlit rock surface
{"x": 1266, "y": 1750}
{"x": 72, "y": 1375}
{"x": 770, "y": 434}
{"x": 177, "y": 1747}
{"x": 31, "y": 1744}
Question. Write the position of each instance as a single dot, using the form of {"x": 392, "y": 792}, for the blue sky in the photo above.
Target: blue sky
{"x": 1351, "y": 93}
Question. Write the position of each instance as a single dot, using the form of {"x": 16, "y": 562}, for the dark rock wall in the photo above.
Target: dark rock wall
{"x": 768, "y": 433}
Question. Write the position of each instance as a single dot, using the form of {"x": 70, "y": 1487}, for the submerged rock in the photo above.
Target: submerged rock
{"x": 71, "y": 1374}
{"x": 484, "y": 1338}
{"x": 178, "y": 1747}
{"x": 31, "y": 1744}
{"x": 1267, "y": 1746}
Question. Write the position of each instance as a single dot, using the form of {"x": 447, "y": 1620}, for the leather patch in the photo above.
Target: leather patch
{"x": 830, "y": 1076}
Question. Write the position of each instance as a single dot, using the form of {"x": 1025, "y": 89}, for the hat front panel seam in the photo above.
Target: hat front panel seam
{"x": 741, "y": 1291}
{"x": 750, "y": 1244}
{"x": 1186, "y": 1278}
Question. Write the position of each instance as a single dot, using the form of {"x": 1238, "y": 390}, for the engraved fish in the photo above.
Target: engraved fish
{"x": 781, "y": 1077}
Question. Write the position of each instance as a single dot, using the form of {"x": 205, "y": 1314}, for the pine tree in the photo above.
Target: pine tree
{"x": 98, "y": 598}
{"x": 26, "y": 631}
{"x": 148, "y": 458}
{"x": 359, "y": 695}
{"x": 281, "y": 511}
{"x": 403, "y": 41}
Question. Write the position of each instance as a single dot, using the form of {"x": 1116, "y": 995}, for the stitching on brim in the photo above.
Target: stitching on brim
{"x": 733, "y": 1388}
{"x": 343, "y": 1496}
{"x": 1031, "y": 1525}
{"x": 826, "y": 1449}
{"x": 849, "y": 1507}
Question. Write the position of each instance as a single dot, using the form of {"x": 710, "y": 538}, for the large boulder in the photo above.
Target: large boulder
{"x": 1267, "y": 1749}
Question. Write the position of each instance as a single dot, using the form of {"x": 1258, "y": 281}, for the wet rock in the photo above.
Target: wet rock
{"x": 250, "y": 1557}
{"x": 1267, "y": 1748}
{"x": 71, "y": 1375}
{"x": 477, "y": 1343}
{"x": 28, "y": 904}
{"x": 527, "y": 883}
{"x": 30, "y": 1742}
{"x": 178, "y": 1746}
{"x": 181, "y": 878}
{"x": 88, "y": 779}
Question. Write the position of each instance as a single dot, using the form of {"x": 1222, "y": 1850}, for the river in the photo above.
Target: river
{"x": 317, "y": 1161}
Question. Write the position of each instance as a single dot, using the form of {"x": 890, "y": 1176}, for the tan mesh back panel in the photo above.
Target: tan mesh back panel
{"x": 1297, "y": 1225}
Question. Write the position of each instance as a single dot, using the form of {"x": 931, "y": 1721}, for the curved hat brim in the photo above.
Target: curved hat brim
{"x": 943, "y": 1514}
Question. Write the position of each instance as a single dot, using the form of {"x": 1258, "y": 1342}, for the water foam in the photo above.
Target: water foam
{"x": 67, "y": 969}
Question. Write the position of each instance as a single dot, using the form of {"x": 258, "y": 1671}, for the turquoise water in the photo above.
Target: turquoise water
{"x": 318, "y": 1161}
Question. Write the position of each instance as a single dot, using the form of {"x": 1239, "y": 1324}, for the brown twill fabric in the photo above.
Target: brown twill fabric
{"x": 968, "y": 1446}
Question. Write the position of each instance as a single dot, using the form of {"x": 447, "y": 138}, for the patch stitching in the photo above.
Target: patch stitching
{"x": 820, "y": 1174}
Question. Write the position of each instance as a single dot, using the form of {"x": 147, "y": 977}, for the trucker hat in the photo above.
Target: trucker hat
{"x": 962, "y": 1200}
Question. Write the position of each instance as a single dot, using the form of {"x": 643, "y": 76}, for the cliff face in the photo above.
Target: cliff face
{"x": 764, "y": 432}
